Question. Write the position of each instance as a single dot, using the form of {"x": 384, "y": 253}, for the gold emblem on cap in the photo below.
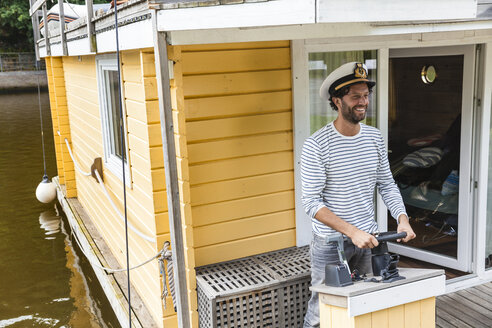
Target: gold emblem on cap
{"x": 360, "y": 71}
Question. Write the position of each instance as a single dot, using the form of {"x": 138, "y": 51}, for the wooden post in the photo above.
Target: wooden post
{"x": 63, "y": 38}
{"x": 91, "y": 35}
{"x": 46, "y": 36}
{"x": 170, "y": 168}
{"x": 35, "y": 31}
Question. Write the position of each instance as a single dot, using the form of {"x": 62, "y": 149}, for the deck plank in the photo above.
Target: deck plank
{"x": 469, "y": 307}
{"x": 442, "y": 323}
{"x": 464, "y": 303}
{"x": 487, "y": 288}
{"x": 449, "y": 318}
{"x": 465, "y": 313}
{"x": 479, "y": 298}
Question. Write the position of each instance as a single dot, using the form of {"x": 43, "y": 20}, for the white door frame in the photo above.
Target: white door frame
{"x": 300, "y": 52}
{"x": 465, "y": 210}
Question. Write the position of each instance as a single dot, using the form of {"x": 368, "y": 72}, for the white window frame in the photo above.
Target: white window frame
{"x": 111, "y": 161}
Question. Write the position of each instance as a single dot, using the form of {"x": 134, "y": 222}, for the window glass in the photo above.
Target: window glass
{"x": 323, "y": 63}
{"x": 113, "y": 108}
{"x": 424, "y": 153}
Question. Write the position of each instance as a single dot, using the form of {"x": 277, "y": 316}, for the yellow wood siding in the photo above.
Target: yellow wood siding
{"x": 419, "y": 314}
{"x": 233, "y": 125}
{"x": 87, "y": 144}
{"x": 238, "y": 105}
{"x": 59, "y": 113}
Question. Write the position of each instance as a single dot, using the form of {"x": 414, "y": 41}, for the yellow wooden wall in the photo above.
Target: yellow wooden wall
{"x": 232, "y": 108}
{"x": 238, "y": 109}
{"x": 143, "y": 134}
{"x": 418, "y": 314}
{"x": 61, "y": 123}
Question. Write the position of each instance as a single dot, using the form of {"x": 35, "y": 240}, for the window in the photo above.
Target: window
{"x": 109, "y": 102}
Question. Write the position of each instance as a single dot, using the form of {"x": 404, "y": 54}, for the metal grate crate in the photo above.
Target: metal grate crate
{"x": 266, "y": 290}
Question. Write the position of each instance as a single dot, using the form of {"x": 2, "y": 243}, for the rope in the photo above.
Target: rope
{"x": 163, "y": 255}
{"x": 166, "y": 256}
{"x": 122, "y": 136}
{"x": 103, "y": 188}
{"x": 105, "y": 191}
{"x": 73, "y": 159}
{"x": 109, "y": 270}
{"x": 41, "y": 120}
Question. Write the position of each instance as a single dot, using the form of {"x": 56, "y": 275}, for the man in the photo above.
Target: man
{"x": 341, "y": 164}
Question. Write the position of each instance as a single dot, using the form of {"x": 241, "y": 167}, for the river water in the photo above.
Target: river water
{"x": 43, "y": 281}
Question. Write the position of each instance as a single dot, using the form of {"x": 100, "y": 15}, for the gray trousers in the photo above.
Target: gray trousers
{"x": 323, "y": 254}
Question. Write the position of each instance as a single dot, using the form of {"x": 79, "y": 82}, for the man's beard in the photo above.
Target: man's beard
{"x": 351, "y": 115}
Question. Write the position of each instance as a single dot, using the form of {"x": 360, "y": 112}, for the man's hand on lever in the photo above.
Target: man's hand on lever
{"x": 363, "y": 239}
{"x": 404, "y": 226}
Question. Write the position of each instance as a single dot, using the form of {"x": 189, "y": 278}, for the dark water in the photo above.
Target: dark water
{"x": 43, "y": 282}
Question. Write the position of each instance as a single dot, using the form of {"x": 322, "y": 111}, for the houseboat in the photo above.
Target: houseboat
{"x": 217, "y": 99}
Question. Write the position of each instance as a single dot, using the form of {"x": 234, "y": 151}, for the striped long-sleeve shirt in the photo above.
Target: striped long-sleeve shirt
{"x": 341, "y": 172}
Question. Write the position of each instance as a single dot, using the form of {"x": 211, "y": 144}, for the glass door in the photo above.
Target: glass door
{"x": 429, "y": 144}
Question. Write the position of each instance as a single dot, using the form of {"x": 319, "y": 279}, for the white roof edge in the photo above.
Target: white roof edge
{"x": 137, "y": 35}
{"x": 318, "y": 31}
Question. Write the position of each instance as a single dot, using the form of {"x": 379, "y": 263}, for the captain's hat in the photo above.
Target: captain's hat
{"x": 347, "y": 74}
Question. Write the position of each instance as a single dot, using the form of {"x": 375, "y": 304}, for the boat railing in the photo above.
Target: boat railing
{"x": 40, "y": 5}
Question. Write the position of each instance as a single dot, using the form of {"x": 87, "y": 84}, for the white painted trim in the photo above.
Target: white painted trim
{"x": 300, "y": 111}
{"x": 466, "y": 282}
{"x": 137, "y": 35}
{"x": 56, "y": 49}
{"x": 382, "y": 124}
{"x": 269, "y": 13}
{"x": 480, "y": 30}
{"x": 79, "y": 47}
{"x": 393, "y": 10}
{"x": 111, "y": 161}
{"x": 42, "y": 52}
{"x": 397, "y": 295}
{"x": 132, "y": 36}
{"x": 483, "y": 159}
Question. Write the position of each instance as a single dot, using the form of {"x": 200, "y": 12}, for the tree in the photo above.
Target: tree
{"x": 15, "y": 26}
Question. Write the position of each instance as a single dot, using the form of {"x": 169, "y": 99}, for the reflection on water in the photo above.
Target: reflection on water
{"x": 42, "y": 283}
{"x": 50, "y": 222}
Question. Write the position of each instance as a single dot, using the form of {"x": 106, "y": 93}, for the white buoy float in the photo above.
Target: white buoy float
{"x": 46, "y": 191}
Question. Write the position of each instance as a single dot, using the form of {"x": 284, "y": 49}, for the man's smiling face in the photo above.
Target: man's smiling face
{"x": 353, "y": 106}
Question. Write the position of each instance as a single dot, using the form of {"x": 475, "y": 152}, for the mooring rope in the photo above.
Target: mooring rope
{"x": 123, "y": 152}
{"x": 105, "y": 191}
{"x": 88, "y": 174}
{"x": 41, "y": 120}
{"x": 107, "y": 269}
{"x": 103, "y": 188}
{"x": 166, "y": 256}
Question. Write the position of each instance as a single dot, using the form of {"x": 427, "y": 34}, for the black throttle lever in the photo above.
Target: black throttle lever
{"x": 390, "y": 236}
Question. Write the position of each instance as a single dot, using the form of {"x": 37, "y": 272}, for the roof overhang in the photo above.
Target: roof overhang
{"x": 293, "y": 12}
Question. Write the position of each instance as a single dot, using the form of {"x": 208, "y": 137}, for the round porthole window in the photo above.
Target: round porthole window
{"x": 428, "y": 74}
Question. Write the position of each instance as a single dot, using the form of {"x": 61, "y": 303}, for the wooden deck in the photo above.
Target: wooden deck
{"x": 471, "y": 307}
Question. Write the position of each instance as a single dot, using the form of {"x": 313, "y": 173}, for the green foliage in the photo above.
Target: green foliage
{"x": 16, "y": 25}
